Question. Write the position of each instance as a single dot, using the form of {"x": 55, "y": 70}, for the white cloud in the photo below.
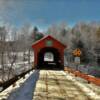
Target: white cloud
{"x": 11, "y": 10}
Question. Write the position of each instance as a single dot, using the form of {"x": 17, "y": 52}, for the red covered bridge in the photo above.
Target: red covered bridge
{"x": 46, "y": 46}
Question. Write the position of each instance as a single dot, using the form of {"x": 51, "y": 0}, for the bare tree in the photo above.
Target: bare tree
{"x": 3, "y": 34}
{"x": 12, "y": 56}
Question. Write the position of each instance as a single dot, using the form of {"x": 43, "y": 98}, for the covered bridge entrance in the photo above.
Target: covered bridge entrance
{"x": 48, "y": 53}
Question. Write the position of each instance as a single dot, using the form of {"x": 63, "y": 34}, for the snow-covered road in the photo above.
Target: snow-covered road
{"x": 54, "y": 85}
{"x": 58, "y": 85}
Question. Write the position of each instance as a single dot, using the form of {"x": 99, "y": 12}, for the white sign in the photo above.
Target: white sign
{"x": 77, "y": 60}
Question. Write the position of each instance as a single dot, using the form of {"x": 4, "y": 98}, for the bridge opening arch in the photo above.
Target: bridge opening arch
{"x": 49, "y": 58}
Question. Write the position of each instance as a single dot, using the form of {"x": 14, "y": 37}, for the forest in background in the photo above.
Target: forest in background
{"x": 85, "y": 36}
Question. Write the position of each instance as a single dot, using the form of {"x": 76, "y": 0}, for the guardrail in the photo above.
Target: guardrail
{"x": 13, "y": 80}
{"x": 89, "y": 78}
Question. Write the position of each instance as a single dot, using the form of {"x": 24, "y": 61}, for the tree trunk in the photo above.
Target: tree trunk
{"x": 2, "y": 64}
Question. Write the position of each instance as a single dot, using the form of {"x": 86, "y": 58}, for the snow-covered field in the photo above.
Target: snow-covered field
{"x": 18, "y": 67}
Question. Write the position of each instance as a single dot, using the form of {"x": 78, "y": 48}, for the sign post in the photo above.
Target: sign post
{"x": 77, "y": 53}
{"x": 77, "y": 62}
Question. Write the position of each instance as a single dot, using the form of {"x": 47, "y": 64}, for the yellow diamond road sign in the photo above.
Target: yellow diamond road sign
{"x": 77, "y": 52}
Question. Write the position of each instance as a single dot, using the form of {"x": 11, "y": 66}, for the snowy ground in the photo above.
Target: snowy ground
{"x": 52, "y": 85}
{"x": 58, "y": 85}
{"x": 10, "y": 89}
{"x": 18, "y": 68}
{"x": 91, "y": 90}
{"x": 25, "y": 92}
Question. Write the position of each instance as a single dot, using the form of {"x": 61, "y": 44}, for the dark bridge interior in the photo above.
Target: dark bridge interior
{"x": 49, "y": 58}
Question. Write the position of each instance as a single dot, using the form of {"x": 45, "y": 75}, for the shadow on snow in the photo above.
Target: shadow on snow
{"x": 26, "y": 90}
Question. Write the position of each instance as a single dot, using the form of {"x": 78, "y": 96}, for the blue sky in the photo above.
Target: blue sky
{"x": 44, "y": 13}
